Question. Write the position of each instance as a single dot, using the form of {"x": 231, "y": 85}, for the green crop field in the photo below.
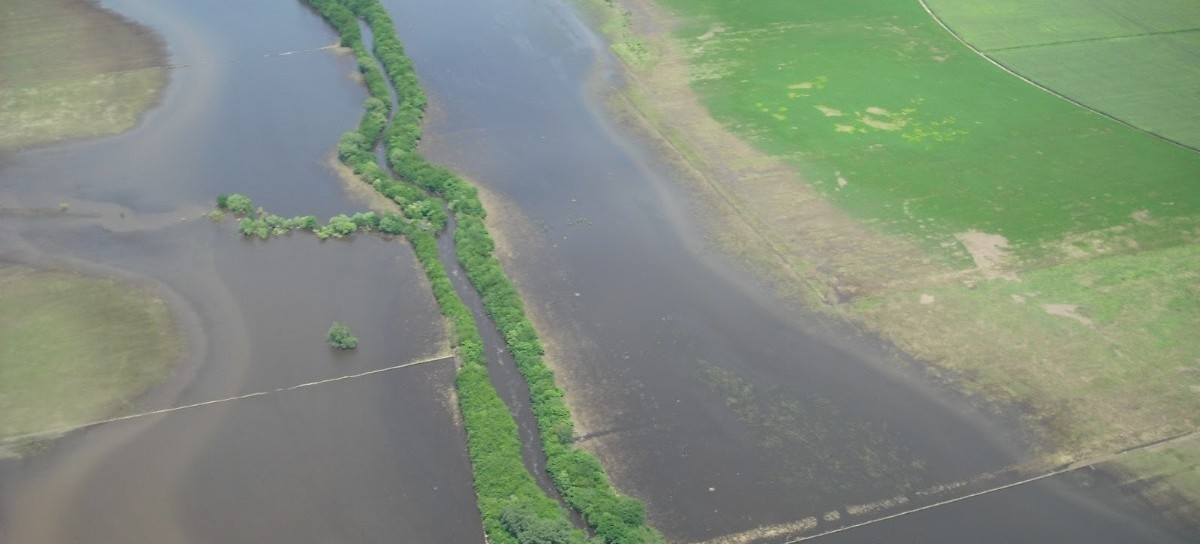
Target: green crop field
{"x": 892, "y": 118}
{"x": 1136, "y": 61}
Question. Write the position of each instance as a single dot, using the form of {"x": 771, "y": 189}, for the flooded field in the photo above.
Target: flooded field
{"x": 370, "y": 459}
{"x": 703, "y": 398}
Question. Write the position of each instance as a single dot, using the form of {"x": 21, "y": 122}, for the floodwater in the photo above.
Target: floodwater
{"x": 374, "y": 459}
{"x": 704, "y": 399}
{"x": 702, "y": 396}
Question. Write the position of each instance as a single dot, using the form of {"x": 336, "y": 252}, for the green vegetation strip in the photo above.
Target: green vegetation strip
{"x": 75, "y": 349}
{"x": 513, "y": 508}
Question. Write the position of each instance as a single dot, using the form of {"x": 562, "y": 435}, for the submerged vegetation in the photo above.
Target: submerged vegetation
{"x": 75, "y": 349}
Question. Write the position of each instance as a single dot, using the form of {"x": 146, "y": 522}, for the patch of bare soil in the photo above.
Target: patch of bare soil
{"x": 989, "y": 251}
{"x": 1069, "y": 311}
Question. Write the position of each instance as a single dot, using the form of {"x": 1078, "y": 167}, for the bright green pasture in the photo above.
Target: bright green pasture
{"x": 1136, "y": 61}
{"x": 899, "y": 123}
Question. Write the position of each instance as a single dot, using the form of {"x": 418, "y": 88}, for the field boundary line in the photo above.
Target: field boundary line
{"x": 1087, "y": 463}
{"x": 173, "y": 66}
{"x": 71, "y": 428}
{"x": 1044, "y": 88}
{"x": 1090, "y": 40}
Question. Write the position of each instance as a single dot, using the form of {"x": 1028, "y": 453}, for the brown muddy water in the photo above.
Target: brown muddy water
{"x": 374, "y": 459}
{"x": 720, "y": 410}
{"x": 702, "y": 397}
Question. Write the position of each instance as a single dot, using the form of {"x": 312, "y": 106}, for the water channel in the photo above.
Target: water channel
{"x": 721, "y": 410}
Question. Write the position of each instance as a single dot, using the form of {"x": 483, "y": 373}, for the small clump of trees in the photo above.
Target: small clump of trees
{"x": 339, "y": 337}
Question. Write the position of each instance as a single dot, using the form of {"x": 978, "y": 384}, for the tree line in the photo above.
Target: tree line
{"x": 512, "y": 506}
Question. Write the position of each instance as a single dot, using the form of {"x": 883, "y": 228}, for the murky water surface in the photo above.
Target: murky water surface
{"x": 251, "y": 109}
{"x": 700, "y": 395}
{"x": 702, "y": 400}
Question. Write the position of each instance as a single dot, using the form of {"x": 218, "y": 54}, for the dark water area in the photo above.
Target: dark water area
{"x": 238, "y": 114}
{"x": 702, "y": 397}
{"x": 1075, "y": 507}
{"x": 251, "y": 108}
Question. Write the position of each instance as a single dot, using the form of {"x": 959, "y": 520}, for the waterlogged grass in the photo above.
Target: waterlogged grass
{"x": 76, "y": 108}
{"x": 1168, "y": 470}
{"x": 75, "y": 349}
{"x": 72, "y": 70}
{"x": 894, "y": 120}
{"x": 1134, "y": 61}
{"x": 1105, "y": 349}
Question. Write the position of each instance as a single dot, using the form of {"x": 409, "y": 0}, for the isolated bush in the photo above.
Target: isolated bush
{"x": 339, "y": 337}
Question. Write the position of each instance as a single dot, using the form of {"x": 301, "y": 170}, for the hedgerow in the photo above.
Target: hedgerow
{"x": 507, "y": 494}
{"x": 504, "y": 488}
{"x": 577, "y": 474}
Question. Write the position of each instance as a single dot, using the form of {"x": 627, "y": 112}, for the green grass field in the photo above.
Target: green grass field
{"x": 69, "y": 69}
{"x": 1136, "y": 61}
{"x": 893, "y": 119}
{"x": 74, "y": 349}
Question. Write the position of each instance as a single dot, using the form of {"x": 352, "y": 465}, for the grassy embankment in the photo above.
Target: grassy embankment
{"x": 75, "y": 349}
{"x": 70, "y": 69}
{"x": 512, "y": 506}
{"x": 1035, "y": 252}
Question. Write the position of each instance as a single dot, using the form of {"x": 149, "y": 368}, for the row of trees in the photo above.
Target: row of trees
{"x": 577, "y": 474}
{"x": 505, "y": 490}
{"x": 256, "y": 222}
